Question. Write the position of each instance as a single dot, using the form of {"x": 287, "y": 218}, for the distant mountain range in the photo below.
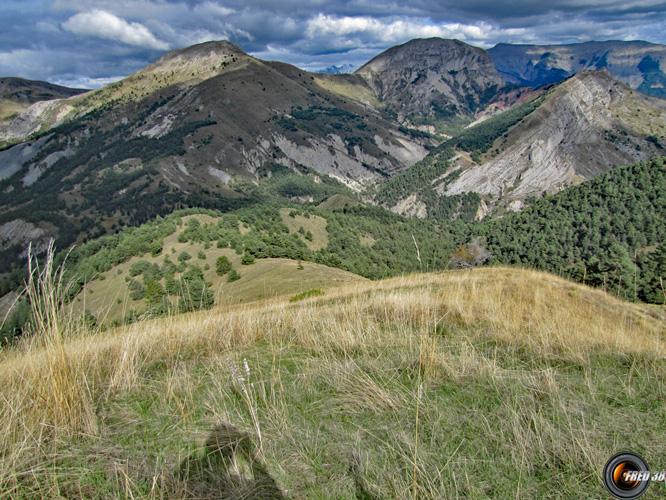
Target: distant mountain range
{"x": 419, "y": 125}
{"x": 639, "y": 64}
{"x": 338, "y": 70}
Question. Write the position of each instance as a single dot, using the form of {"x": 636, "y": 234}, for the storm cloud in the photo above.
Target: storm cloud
{"x": 95, "y": 42}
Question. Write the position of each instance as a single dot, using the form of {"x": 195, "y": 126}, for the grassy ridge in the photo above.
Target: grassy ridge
{"x": 457, "y": 384}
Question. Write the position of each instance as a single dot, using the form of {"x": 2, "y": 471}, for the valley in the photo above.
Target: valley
{"x": 345, "y": 256}
{"x": 246, "y": 141}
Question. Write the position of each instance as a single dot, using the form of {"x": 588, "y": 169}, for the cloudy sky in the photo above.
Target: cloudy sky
{"x": 89, "y": 43}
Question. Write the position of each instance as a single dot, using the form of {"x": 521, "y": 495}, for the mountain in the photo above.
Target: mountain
{"x": 194, "y": 129}
{"x": 17, "y": 94}
{"x": 640, "y": 65}
{"x": 339, "y": 70}
{"x": 210, "y": 126}
{"x": 433, "y": 81}
{"x": 185, "y": 68}
{"x": 608, "y": 232}
{"x": 583, "y": 127}
{"x": 555, "y": 138}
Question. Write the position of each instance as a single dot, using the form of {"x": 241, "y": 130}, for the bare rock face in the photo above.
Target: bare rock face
{"x": 411, "y": 207}
{"x": 432, "y": 79}
{"x": 585, "y": 126}
{"x": 23, "y": 233}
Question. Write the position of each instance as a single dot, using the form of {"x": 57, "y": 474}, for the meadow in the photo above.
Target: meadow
{"x": 491, "y": 382}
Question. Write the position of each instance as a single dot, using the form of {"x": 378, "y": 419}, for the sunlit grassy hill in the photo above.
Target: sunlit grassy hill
{"x": 491, "y": 382}
{"x": 108, "y": 296}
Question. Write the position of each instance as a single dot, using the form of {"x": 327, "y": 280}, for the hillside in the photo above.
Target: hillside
{"x": 136, "y": 288}
{"x": 397, "y": 388}
{"x": 638, "y": 64}
{"x": 583, "y": 127}
{"x": 433, "y": 82}
{"x": 194, "y": 129}
{"x": 559, "y": 137}
{"x": 609, "y": 232}
{"x": 171, "y": 264}
{"x": 17, "y": 94}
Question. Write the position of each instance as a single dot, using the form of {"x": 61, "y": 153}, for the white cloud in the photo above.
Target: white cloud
{"x": 84, "y": 82}
{"x": 399, "y": 30}
{"x": 102, "y": 24}
{"x": 213, "y": 9}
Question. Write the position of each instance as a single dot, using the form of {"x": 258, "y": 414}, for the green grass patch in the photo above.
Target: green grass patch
{"x": 315, "y": 292}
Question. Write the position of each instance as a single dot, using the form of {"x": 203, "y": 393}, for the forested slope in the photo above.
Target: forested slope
{"x": 607, "y": 232}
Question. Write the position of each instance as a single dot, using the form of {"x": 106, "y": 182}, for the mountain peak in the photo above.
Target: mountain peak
{"x": 414, "y": 50}
{"x": 435, "y": 78}
{"x": 220, "y": 47}
{"x": 204, "y": 53}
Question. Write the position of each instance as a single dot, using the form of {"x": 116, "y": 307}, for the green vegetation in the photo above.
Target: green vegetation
{"x": 222, "y": 265}
{"x": 422, "y": 178}
{"x": 315, "y": 292}
{"x": 479, "y": 138}
{"x": 416, "y": 179}
{"x": 608, "y": 232}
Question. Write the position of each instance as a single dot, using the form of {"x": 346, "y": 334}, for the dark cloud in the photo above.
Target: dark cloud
{"x": 93, "y": 42}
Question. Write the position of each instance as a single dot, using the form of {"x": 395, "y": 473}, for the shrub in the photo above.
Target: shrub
{"x": 222, "y": 265}
{"x": 137, "y": 290}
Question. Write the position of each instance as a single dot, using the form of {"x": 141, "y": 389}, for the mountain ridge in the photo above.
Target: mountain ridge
{"x": 587, "y": 124}
{"x": 205, "y": 125}
{"x": 637, "y": 63}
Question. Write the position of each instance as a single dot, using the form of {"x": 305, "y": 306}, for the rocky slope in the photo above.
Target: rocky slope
{"x": 186, "y": 131}
{"x": 433, "y": 81}
{"x": 586, "y": 125}
{"x": 640, "y": 65}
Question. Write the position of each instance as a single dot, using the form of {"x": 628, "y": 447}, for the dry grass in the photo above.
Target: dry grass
{"x": 366, "y": 351}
